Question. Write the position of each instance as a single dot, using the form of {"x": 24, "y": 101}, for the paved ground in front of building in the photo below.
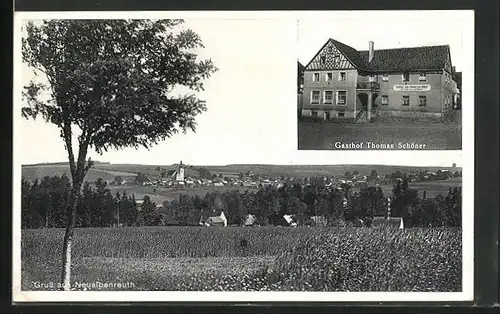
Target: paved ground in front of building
{"x": 434, "y": 135}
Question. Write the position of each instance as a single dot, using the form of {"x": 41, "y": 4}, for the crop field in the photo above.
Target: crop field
{"x": 250, "y": 259}
{"x": 435, "y": 135}
{"x": 432, "y": 188}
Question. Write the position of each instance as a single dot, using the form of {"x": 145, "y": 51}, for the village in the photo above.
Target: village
{"x": 178, "y": 179}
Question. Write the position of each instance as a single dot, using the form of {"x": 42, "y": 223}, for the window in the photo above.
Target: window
{"x": 342, "y": 76}
{"x": 329, "y": 77}
{"x": 385, "y": 78}
{"x": 314, "y": 114}
{"x": 336, "y": 60}
{"x": 341, "y": 97}
{"x": 315, "y": 77}
{"x": 341, "y": 114}
{"x": 329, "y": 49}
{"x": 322, "y": 59}
{"x": 371, "y": 78}
{"x": 385, "y": 100}
{"x": 422, "y": 101}
{"x": 315, "y": 97}
{"x": 328, "y": 98}
{"x": 406, "y": 101}
{"x": 422, "y": 77}
{"x": 406, "y": 76}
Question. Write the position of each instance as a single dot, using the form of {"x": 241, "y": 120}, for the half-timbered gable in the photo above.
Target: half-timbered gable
{"x": 328, "y": 58}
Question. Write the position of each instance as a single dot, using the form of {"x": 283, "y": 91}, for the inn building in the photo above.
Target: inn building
{"x": 342, "y": 83}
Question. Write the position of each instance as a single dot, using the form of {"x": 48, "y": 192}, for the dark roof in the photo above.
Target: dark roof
{"x": 210, "y": 213}
{"x": 404, "y": 59}
{"x": 300, "y": 67}
{"x": 398, "y": 59}
{"x": 351, "y": 54}
{"x": 171, "y": 172}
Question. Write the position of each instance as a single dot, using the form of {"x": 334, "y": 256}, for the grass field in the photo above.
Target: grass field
{"x": 264, "y": 258}
{"x": 435, "y": 135}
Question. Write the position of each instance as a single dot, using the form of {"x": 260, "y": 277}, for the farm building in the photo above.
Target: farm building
{"x": 139, "y": 203}
{"x": 213, "y": 218}
{"x": 389, "y": 222}
{"x": 250, "y": 220}
{"x": 285, "y": 220}
{"x": 343, "y": 83}
{"x": 318, "y": 221}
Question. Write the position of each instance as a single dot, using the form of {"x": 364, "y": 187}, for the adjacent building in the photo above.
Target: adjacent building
{"x": 211, "y": 218}
{"x": 341, "y": 82}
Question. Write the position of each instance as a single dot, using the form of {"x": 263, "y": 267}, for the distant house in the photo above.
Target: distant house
{"x": 250, "y": 220}
{"x": 389, "y": 222}
{"x": 286, "y": 221}
{"x": 318, "y": 221}
{"x": 211, "y": 218}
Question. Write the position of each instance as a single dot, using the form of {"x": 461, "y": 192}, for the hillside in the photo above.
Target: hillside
{"x": 316, "y": 170}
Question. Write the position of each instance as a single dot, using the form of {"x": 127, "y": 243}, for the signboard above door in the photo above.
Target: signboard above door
{"x": 412, "y": 88}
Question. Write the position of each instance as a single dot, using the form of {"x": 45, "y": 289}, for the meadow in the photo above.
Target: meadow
{"x": 435, "y": 135}
{"x": 250, "y": 259}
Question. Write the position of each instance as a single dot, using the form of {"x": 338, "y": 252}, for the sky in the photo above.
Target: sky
{"x": 251, "y": 100}
{"x": 387, "y": 30}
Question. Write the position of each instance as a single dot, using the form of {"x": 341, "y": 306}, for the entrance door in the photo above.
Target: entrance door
{"x": 363, "y": 99}
{"x": 327, "y": 115}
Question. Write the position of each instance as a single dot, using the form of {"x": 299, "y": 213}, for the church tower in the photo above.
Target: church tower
{"x": 180, "y": 172}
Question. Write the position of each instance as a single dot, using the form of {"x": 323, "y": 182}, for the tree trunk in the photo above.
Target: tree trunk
{"x": 68, "y": 236}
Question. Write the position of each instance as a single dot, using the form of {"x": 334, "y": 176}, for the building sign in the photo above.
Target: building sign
{"x": 412, "y": 88}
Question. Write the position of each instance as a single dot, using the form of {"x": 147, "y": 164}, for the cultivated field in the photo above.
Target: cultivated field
{"x": 435, "y": 135}
{"x": 432, "y": 188}
{"x": 262, "y": 258}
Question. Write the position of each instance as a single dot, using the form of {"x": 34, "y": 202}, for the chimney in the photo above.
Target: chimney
{"x": 370, "y": 51}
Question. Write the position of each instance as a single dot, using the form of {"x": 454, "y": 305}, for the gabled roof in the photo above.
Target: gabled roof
{"x": 398, "y": 59}
{"x": 300, "y": 66}
{"x": 205, "y": 214}
{"x": 351, "y": 54}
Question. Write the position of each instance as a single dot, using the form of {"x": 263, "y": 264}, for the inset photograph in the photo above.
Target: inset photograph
{"x": 182, "y": 227}
{"x": 365, "y": 84}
